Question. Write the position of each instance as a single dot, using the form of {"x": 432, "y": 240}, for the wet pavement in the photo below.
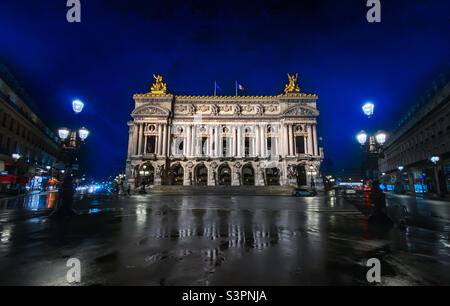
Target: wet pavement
{"x": 217, "y": 240}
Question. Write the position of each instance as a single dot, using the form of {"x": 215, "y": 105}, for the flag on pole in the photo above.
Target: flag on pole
{"x": 239, "y": 86}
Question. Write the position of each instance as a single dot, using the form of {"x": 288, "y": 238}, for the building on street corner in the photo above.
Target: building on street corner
{"x": 224, "y": 140}
{"x": 28, "y": 148}
{"x": 417, "y": 154}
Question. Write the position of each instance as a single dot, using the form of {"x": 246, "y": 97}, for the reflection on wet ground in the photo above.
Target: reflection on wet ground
{"x": 213, "y": 240}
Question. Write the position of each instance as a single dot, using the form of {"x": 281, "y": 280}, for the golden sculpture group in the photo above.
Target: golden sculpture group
{"x": 292, "y": 86}
{"x": 160, "y": 87}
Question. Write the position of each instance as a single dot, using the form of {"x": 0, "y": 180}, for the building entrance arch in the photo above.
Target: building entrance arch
{"x": 248, "y": 175}
{"x": 176, "y": 175}
{"x": 272, "y": 176}
{"x": 225, "y": 175}
{"x": 201, "y": 175}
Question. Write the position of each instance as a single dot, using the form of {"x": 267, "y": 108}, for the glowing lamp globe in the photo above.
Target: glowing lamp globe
{"x": 401, "y": 168}
{"x": 63, "y": 133}
{"x": 368, "y": 108}
{"x": 361, "y": 137}
{"x": 434, "y": 159}
{"x": 77, "y": 106}
{"x": 83, "y": 133}
{"x": 380, "y": 137}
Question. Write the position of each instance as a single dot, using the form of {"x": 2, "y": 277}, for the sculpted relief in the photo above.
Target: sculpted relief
{"x": 300, "y": 111}
{"x": 150, "y": 110}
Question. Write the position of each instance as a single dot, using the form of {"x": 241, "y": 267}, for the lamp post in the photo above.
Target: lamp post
{"x": 373, "y": 147}
{"x": 312, "y": 173}
{"x": 374, "y": 150}
{"x": 435, "y": 160}
{"x": 71, "y": 140}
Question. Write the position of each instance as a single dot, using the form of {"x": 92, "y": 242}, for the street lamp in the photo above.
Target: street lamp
{"x": 434, "y": 159}
{"x": 368, "y": 108}
{"x": 83, "y": 133}
{"x": 77, "y": 106}
{"x": 15, "y": 156}
{"x": 63, "y": 133}
{"x": 400, "y": 168}
{"x": 376, "y": 141}
{"x": 380, "y": 137}
{"x": 361, "y": 137}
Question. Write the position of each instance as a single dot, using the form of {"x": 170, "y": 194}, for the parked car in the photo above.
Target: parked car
{"x": 350, "y": 191}
{"x": 298, "y": 192}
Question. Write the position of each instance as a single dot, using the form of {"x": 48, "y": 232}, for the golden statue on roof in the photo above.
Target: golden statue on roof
{"x": 158, "y": 86}
{"x": 292, "y": 87}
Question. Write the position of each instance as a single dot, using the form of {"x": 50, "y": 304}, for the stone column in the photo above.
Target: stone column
{"x": 139, "y": 152}
{"x": 239, "y": 141}
{"x": 286, "y": 138}
{"x": 258, "y": 141}
{"x": 291, "y": 141}
{"x": 145, "y": 145}
{"x": 188, "y": 140}
{"x": 157, "y": 141}
{"x": 316, "y": 150}
{"x": 135, "y": 138}
{"x": 169, "y": 140}
{"x": 216, "y": 140}
{"x": 305, "y": 145}
{"x": 310, "y": 143}
{"x": 280, "y": 143}
{"x": 164, "y": 139}
{"x": 276, "y": 145}
{"x": 210, "y": 141}
{"x": 194, "y": 141}
{"x": 130, "y": 141}
{"x": 233, "y": 143}
{"x": 263, "y": 141}
{"x": 160, "y": 139}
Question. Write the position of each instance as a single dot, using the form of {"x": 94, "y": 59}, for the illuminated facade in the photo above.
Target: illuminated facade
{"x": 218, "y": 140}
{"x": 22, "y": 133}
{"x": 417, "y": 154}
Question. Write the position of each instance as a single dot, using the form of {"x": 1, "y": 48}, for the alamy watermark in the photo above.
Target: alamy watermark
{"x": 374, "y": 273}
{"x": 74, "y": 13}
{"x": 374, "y": 13}
{"x": 74, "y": 273}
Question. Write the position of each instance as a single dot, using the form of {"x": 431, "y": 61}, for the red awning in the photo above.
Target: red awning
{"x": 54, "y": 181}
{"x": 13, "y": 179}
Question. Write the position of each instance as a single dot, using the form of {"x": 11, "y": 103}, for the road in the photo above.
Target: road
{"x": 213, "y": 240}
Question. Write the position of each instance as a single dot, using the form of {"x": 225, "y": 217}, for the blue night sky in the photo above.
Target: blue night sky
{"x": 114, "y": 51}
